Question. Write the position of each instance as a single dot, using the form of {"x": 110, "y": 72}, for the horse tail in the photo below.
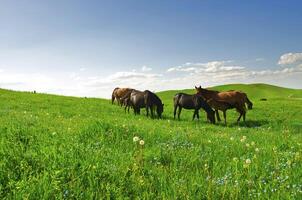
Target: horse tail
{"x": 176, "y": 99}
{"x": 249, "y": 104}
{"x": 113, "y": 96}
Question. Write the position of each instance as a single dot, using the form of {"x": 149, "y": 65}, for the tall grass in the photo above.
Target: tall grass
{"x": 83, "y": 148}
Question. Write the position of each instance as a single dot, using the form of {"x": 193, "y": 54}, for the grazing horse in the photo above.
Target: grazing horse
{"x": 152, "y": 101}
{"x": 118, "y": 93}
{"x": 232, "y": 97}
{"x": 223, "y": 106}
{"x": 187, "y": 101}
{"x": 148, "y": 100}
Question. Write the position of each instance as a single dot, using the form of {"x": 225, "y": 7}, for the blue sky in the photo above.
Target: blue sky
{"x": 86, "y": 48}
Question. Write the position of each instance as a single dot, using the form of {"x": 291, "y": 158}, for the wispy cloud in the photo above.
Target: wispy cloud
{"x": 146, "y": 69}
{"x": 290, "y": 58}
{"x": 209, "y": 67}
{"x": 178, "y": 77}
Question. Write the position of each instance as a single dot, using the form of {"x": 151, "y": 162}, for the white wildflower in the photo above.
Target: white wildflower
{"x": 142, "y": 142}
{"x": 135, "y": 139}
{"x": 248, "y": 161}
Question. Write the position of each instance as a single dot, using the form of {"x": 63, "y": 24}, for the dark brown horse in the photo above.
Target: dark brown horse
{"x": 187, "y": 101}
{"x": 231, "y": 97}
{"x": 148, "y": 100}
{"x": 118, "y": 93}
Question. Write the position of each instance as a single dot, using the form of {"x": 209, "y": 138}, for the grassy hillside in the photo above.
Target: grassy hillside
{"x": 255, "y": 91}
{"x": 82, "y": 148}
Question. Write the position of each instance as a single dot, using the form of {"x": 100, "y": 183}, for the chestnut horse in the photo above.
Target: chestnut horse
{"x": 118, "y": 93}
{"x": 231, "y": 97}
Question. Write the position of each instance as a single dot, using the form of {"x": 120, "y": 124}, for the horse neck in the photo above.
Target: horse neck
{"x": 204, "y": 105}
{"x": 156, "y": 99}
{"x": 208, "y": 93}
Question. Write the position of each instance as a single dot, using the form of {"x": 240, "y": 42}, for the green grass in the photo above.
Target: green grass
{"x": 82, "y": 148}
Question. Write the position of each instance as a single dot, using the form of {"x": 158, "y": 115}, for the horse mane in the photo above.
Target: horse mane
{"x": 154, "y": 96}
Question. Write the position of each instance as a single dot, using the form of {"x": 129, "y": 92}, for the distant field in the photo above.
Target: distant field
{"x": 82, "y": 148}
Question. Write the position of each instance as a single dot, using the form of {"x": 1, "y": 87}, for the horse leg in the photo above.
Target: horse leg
{"x": 152, "y": 111}
{"x": 179, "y": 111}
{"x": 147, "y": 110}
{"x": 224, "y": 115}
{"x": 197, "y": 114}
{"x": 194, "y": 115}
{"x": 175, "y": 109}
{"x": 240, "y": 112}
{"x": 217, "y": 115}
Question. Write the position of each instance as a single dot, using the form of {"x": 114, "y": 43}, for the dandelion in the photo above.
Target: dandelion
{"x": 54, "y": 133}
{"x": 231, "y": 138}
{"x": 253, "y": 143}
{"x": 142, "y": 142}
{"x": 275, "y": 149}
{"x": 243, "y": 139}
{"x": 248, "y": 161}
{"x": 209, "y": 141}
{"x": 247, "y": 145}
{"x": 135, "y": 139}
{"x": 235, "y": 159}
{"x": 257, "y": 149}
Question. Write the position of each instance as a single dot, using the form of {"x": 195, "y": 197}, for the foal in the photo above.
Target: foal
{"x": 224, "y": 106}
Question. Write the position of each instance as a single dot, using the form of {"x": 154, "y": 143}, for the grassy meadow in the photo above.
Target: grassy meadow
{"x": 55, "y": 147}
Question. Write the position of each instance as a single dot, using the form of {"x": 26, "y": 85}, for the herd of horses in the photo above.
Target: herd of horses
{"x": 210, "y": 101}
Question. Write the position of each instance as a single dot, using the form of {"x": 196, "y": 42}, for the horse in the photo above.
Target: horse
{"x": 118, "y": 93}
{"x": 232, "y": 97}
{"x": 148, "y": 100}
{"x": 195, "y": 101}
{"x": 152, "y": 101}
{"x": 223, "y": 106}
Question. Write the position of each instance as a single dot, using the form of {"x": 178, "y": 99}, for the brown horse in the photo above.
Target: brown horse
{"x": 223, "y": 106}
{"x": 118, "y": 93}
{"x": 231, "y": 97}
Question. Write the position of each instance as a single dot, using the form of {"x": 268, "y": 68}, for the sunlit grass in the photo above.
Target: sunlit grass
{"x": 84, "y": 148}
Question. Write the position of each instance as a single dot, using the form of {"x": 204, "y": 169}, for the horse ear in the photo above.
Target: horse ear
{"x": 195, "y": 87}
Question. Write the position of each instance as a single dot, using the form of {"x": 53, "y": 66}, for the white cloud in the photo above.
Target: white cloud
{"x": 210, "y": 67}
{"x": 259, "y": 59}
{"x": 83, "y": 69}
{"x": 146, "y": 69}
{"x": 184, "y": 76}
{"x": 290, "y": 58}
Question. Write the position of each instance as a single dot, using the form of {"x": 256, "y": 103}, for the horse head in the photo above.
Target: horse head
{"x": 198, "y": 90}
{"x": 160, "y": 110}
